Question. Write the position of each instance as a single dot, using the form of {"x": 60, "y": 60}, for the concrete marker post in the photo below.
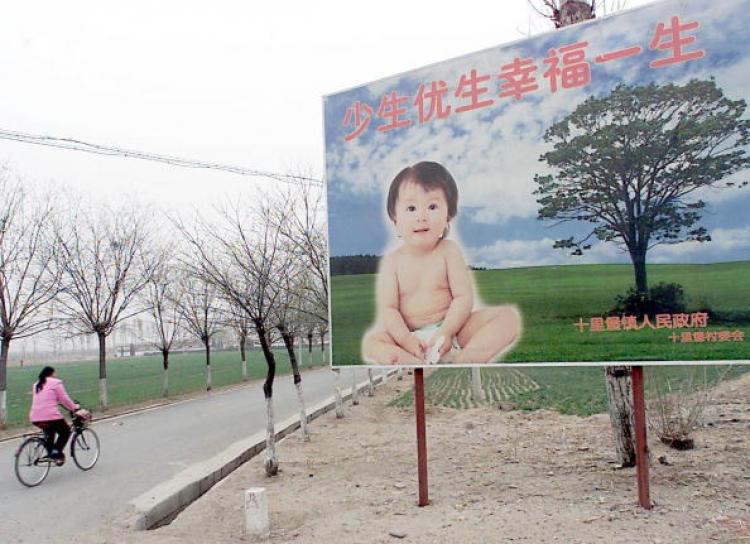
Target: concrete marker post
{"x": 256, "y": 512}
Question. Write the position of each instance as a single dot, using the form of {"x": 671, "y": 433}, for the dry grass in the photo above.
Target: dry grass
{"x": 676, "y": 408}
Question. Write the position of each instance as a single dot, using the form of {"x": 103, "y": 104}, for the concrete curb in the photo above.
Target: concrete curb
{"x": 159, "y": 505}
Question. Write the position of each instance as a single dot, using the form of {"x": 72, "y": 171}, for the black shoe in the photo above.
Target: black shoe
{"x": 58, "y": 457}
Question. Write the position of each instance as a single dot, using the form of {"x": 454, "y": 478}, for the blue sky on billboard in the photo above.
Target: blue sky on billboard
{"x": 494, "y": 152}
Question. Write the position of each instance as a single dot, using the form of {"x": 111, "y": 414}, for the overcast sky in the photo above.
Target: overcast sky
{"x": 230, "y": 82}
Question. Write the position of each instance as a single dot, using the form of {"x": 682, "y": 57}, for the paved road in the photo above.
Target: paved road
{"x": 140, "y": 451}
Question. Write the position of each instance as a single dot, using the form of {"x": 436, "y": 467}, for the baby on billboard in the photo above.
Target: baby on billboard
{"x": 427, "y": 309}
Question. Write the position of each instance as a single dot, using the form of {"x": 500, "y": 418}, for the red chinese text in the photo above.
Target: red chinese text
{"x": 575, "y": 70}
{"x": 519, "y": 78}
{"x": 359, "y": 115}
{"x": 669, "y": 38}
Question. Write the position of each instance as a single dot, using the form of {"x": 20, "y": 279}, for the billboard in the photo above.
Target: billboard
{"x": 578, "y": 197}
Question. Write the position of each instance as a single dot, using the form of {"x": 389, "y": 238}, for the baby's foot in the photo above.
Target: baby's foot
{"x": 450, "y": 357}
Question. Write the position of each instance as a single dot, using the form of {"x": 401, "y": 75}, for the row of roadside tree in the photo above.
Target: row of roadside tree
{"x": 256, "y": 264}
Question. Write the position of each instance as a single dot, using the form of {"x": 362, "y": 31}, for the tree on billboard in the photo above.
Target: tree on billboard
{"x": 632, "y": 165}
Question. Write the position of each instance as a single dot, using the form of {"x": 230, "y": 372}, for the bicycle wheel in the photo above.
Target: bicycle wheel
{"x": 32, "y": 462}
{"x": 85, "y": 449}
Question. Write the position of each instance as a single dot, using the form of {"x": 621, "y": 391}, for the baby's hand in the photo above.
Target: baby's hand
{"x": 444, "y": 342}
{"x": 415, "y": 346}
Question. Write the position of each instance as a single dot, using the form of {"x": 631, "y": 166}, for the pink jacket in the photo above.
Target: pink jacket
{"x": 44, "y": 403}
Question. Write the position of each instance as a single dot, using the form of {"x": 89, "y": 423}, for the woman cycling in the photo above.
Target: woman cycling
{"x": 47, "y": 393}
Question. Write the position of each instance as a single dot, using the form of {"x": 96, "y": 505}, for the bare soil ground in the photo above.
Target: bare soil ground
{"x": 494, "y": 476}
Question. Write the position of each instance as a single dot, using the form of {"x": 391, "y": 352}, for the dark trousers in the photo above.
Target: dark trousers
{"x": 57, "y": 427}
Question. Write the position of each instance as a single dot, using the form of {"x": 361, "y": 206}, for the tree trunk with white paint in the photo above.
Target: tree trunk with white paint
{"x": 302, "y": 413}
{"x": 209, "y": 377}
{"x": 243, "y": 356}
{"x": 477, "y": 395}
{"x": 165, "y": 383}
{"x": 620, "y": 394}
{"x": 165, "y": 366}
{"x": 102, "y": 371}
{"x": 339, "y": 400}
{"x": 103, "y": 393}
{"x": 272, "y": 461}
{"x": 370, "y": 384}
{"x": 355, "y": 391}
{"x": 4, "y": 349}
{"x": 3, "y": 409}
{"x": 289, "y": 344}
{"x": 300, "y": 359}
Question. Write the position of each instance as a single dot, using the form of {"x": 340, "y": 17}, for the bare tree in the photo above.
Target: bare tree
{"x": 29, "y": 279}
{"x": 310, "y": 331}
{"x": 200, "y": 306}
{"x": 240, "y": 323}
{"x": 288, "y": 321}
{"x": 300, "y": 214}
{"x": 242, "y": 255}
{"x": 567, "y": 12}
{"x": 162, "y": 297}
{"x": 323, "y": 331}
{"x": 105, "y": 262}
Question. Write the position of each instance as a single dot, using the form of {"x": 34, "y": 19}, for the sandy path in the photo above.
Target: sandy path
{"x": 495, "y": 476}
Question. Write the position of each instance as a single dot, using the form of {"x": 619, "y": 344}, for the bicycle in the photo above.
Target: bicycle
{"x": 33, "y": 459}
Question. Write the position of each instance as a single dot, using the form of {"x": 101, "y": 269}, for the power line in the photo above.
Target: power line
{"x": 78, "y": 145}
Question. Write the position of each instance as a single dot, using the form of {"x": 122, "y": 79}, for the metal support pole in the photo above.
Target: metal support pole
{"x": 641, "y": 444}
{"x": 421, "y": 436}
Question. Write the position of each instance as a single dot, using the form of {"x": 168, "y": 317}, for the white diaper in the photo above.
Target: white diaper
{"x": 433, "y": 354}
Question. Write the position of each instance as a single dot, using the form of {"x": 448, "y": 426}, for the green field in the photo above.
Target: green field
{"x": 139, "y": 379}
{"x": 577, "y": 391}
{"x": 552, "y": 298}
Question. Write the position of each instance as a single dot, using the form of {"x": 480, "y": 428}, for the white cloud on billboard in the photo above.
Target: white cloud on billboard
{"x": 494, "y": 179}
{"x": 527, "y": 253}
{"x": 723, "y": 242}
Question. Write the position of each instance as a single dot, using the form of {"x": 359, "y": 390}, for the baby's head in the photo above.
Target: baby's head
{"x": 421, "y": 194}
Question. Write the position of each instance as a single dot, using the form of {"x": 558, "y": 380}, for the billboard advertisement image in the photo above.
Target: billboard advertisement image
{"x": 576, "y": 197}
